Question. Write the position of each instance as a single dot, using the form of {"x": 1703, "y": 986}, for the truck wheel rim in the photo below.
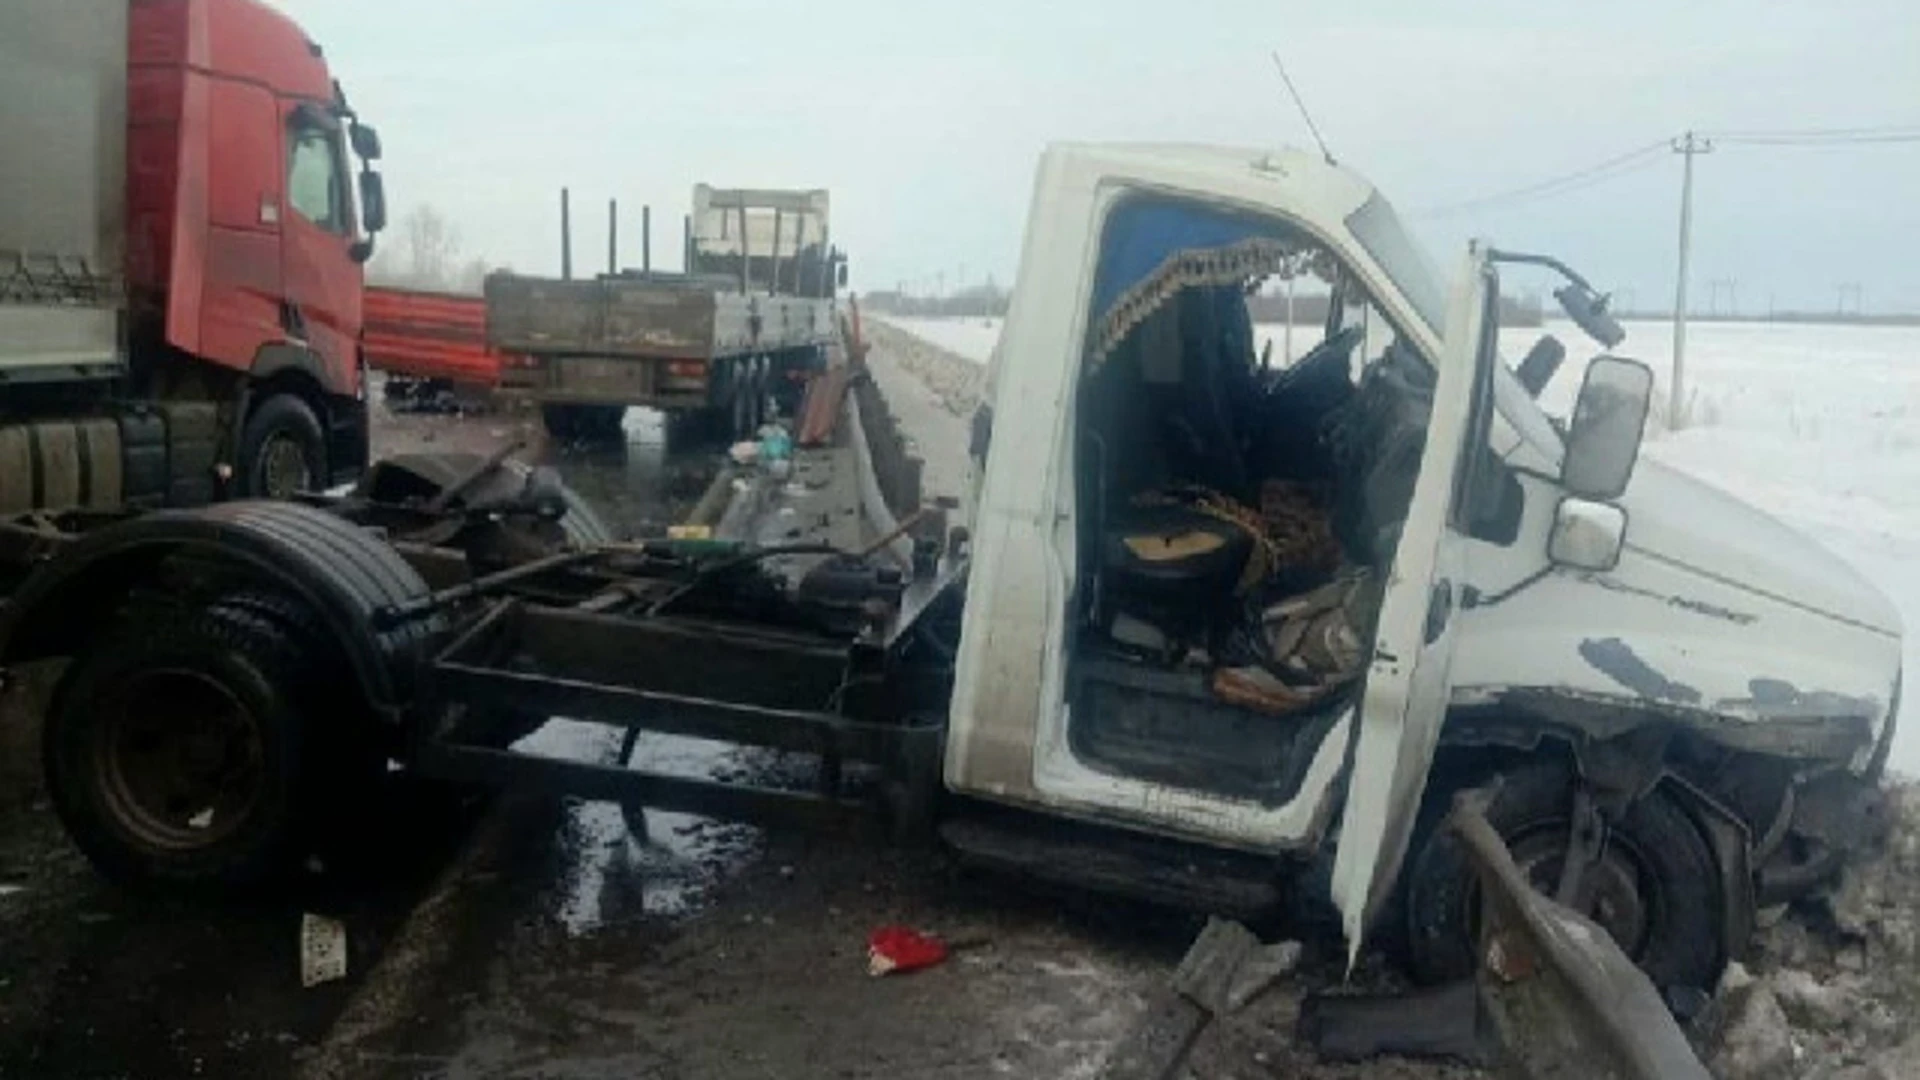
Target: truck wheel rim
{"x": 283, "y": 468}
{"x": 180, "y": 760}
{"x": 1617, "y": 891}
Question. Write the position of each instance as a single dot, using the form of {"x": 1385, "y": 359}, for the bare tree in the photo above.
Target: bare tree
{"x": 472, "y": 277}
{"x": 432, "y": 246}
{"x": 426, "y": 255}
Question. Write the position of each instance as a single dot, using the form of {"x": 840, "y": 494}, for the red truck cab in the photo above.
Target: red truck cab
{"x": 245, "y": 246}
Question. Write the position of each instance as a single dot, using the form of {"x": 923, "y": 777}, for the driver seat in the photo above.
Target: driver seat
{"x": 1171, "y": 567}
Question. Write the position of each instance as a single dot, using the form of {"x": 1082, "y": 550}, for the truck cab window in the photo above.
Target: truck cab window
{"x": 314, "y": 189}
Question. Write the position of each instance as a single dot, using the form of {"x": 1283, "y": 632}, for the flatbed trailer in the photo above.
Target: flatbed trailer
{"x": 750, "y": 315}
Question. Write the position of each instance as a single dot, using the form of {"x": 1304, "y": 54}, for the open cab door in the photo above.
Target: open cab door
{"x": 1404, "y": 699}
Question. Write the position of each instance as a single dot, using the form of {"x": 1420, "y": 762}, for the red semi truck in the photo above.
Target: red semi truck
{"x": 181, "y": 252}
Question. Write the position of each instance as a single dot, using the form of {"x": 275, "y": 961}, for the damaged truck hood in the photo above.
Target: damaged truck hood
{"x": 1717, "y": 615}
{"x": 1698, "y": 527}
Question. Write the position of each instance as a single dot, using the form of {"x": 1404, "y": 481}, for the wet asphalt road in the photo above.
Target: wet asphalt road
{"x": 98, "y": 983}
{"x": 535, "y": 937}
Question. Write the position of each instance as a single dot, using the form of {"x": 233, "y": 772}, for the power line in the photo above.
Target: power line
{"x": 1823, "y": 136}
{"x": 1642, "y": 156}
{"x": 1793, "y": 140}
{"x": 1618, "y": 165}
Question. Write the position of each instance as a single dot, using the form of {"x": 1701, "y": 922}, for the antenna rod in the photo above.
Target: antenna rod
{"x": 1302, "y": 106}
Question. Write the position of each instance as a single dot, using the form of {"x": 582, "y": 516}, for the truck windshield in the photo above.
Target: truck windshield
{"x": 1379, "y": 230}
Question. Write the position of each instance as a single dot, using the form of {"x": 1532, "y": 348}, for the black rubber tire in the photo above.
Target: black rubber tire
{"x": 238, "y": 648}
{"x": 607, "y": 419}
{"x": 1675, "y": 868}
{"x": 560, "y": 421}
{"x": 280, "y": 417}
{"x": 740, "y": 406}
{"x": 757, "y": 410}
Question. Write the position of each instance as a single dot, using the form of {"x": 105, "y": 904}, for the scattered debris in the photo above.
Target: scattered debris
{"x": 895, "y": 950}
{"x": 775, "y": 444}
{"x": 1756, "y": 1042}
{"x": 1225, "y": 968}
{"x": 323, "y": 950}
{"x": 1443, "y": 1023}
{"x": 1836, "y": 975}
{"x": 820, "y": 408}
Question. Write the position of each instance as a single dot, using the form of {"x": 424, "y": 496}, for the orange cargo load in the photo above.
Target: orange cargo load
{"x": 429, "y": 335}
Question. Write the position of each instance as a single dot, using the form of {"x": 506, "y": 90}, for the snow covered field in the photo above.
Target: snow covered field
{"x": 1818, "y": 425}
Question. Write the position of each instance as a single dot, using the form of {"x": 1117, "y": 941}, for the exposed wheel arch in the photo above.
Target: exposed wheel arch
{"x": 1632, "y": 761}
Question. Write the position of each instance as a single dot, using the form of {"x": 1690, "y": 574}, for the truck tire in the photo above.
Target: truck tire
{"x": 759, "y": 411}
{"x": 603, "y": 421}
{"x": 569, "y": 422}
{"x": 558, "y": 420}
{"x": 1656, "y": 885}
{"x": 282, "y": 449}
{"x": 176, "y": 748}
{"x": 740, "y": 423}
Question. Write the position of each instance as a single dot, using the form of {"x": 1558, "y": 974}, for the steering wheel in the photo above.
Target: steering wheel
{"x": 1336, "y": 350}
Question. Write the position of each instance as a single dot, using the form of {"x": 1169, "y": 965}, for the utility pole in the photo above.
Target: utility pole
{"x": 1686, "y": 146}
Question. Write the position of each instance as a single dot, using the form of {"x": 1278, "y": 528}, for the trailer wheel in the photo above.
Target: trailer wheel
{"x": 558, "y": 420}
{"x": 582, "y": 421}
{"x": 282, "y": 449}
{"x": 603, "y": 421}
{"x": 742, "y": 404}
{"x": 174, "y": 749}
{"x": 1654, "y": 888}
{"x": 760, "y": 389}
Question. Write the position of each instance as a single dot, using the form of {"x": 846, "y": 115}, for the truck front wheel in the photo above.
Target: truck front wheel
{"x": 282, "y": 449}
{"x": 174, "y": 749}
{"x": 1654, "y": 886}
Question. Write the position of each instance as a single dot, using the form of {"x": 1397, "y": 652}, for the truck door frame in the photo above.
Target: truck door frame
{"x": 1405, "y": 694}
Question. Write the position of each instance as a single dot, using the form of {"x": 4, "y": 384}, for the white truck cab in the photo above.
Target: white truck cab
{"x": 1284, "y": 612}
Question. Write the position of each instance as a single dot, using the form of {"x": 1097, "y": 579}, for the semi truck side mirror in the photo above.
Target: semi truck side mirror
{"x": 366, "y": 141}
{"x": 1609, "y": 421}
{"x": 373, "y": 201}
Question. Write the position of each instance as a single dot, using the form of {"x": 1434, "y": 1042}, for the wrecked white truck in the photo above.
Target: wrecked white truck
{"x": 1214, "y": 633}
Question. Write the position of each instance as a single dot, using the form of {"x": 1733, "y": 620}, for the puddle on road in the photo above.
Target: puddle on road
{"x": 608, "y": 873}
{"x": 639, "y": 484}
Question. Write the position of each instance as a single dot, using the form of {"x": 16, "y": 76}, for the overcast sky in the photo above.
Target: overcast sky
{"x": 925, "y": 120}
